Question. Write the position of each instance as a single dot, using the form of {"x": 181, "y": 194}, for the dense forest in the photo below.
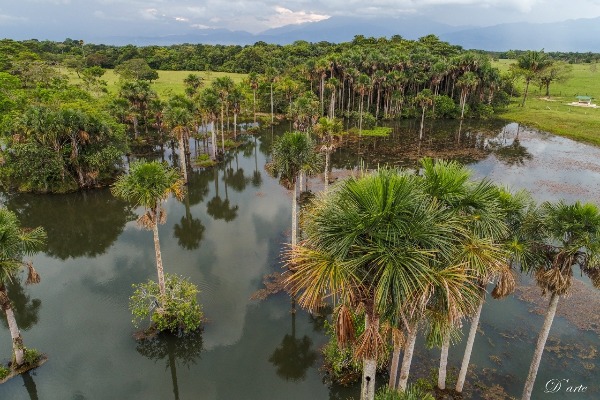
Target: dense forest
{"x": 62, "y": 134}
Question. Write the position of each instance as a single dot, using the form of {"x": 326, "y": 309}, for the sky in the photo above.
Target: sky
{"x": 96, "y": 19}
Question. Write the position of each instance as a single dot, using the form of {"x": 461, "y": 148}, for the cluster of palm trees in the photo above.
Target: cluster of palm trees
{"x": 416, "y": 252}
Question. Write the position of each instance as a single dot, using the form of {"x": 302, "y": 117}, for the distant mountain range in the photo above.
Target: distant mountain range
{"x": 580, "y": 35}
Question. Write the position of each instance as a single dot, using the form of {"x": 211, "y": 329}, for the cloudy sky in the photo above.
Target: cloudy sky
{"x": 90, "y": 19}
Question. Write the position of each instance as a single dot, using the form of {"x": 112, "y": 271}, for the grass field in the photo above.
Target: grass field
{"x": 553, "y": 114}
{"x": 168, "y": 83}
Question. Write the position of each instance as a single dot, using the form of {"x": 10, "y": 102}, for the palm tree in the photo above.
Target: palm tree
{"x": 147, "y": 185}
{"x": 531, "y": 64}
{"x": 423, "y": 99}
{"x": 178, "y": 119}
{"x": 571, "y": 237}
{"x": 223, "y": 86}
{"x": 328, "y": 129}
{"x": 363, "y": 84}
{"x": 16, "y": 243}
{"x": 370, "y": 241}
{"x": 253, "y": 82}
{"x": 518, "y": 211}
{"x": 467, "y": 83}
{"x": 293, "y": 153}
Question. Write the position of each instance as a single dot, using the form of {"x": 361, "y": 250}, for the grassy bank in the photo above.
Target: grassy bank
{"x": 552, "y": 114}
{"x": 168, "y": 82}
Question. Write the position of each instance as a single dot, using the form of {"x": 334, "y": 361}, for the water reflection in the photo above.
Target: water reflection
{"x": 293, "y": 357}
{"x": 25, "y": 308}
{"x": 78, "y": 224}
{"x": 184, "y": 349}
{"x": 219, "y": 208}
{"x": 30, "y": 385}
{"x": 189, "y": 231}
{"x": 250, "y": 350}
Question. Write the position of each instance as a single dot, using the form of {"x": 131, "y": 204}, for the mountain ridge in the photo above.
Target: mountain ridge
{"x": 577, "y": 35}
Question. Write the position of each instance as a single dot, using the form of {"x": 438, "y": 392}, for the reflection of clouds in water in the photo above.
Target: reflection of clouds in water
{"x": 559, "y": 167}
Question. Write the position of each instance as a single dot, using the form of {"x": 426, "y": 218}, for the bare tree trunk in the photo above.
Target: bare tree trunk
{"x": 15, "y": 333}
{"x": 182, "y": 158}
{"x": 525, "y": 93}
{"x": 235, "y": 126}
{"x": 159, "y": 264}
{"x": 422, "y": 120}
{"x": 326, "y": 174}
{"x": 272, "y": 115}
{"x": 460, "y": 382}
{"x": 222, "y": 133}
{"x": 214, "y": 139}
{"x": 294, "y": 217}
{"x": 394, "y": 366}
{"x": 367, "y": 391}
{"x": 444, "y": 361}
{"x": 407, "y": 358}
{"x": 539, "y": 349}
{"x": 254, "y": 106}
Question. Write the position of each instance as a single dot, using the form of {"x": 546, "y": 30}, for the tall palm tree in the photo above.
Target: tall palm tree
{"x": 423, "y": 99}
{"x": 370, "y": 241}
{"x": 223, "y": 86}
{"x": 467, "y": 83}
{"x": 16, "y": 243}
{"x": 571, "y": 238}
{"x": 293, "y": 153}
{"x": 531, "y": 64}
{"x": 328, "y": 130}
{"x": 518, "y": 211}
{"x": 147, "y": 185}
{"x": 179, "y": 119}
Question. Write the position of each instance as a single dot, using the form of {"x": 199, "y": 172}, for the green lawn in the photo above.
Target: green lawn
{"x": 168, "y": 83}
{"x": 553, "y": 114}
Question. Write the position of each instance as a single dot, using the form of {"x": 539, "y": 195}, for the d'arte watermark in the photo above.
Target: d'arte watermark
{"x": 563, "y": 386}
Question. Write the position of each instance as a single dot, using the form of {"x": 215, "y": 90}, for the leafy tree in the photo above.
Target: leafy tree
{"x": 173, "y": 310}
{"x": 558, "y": 71}
{"x": 136, "y": 69}
{"x": 16, "y": 243}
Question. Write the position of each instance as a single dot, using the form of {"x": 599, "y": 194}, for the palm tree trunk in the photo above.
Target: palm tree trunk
{"x": 326, "y": 174}
{"x": 367, "y": 391}
{"x": 394, "y": 366}
{"x": 525, "y": 92}
{"x": 294, "y": 216}
{"x": 539, "y": 349}
{"x": 235, "y": 126}
{"x": 254, "y": 106}
{"x": 444, "y": 361}
{"x": 422, "y": 120}
{"x": 460, "y": 382}
{"x": 214, "y": 140}
{"x": 407, "y": 358}
{"x": 222, "y": 133}
{"x": 272, "y": 115}
{"x": 159, "y": 264}
{"x": 182, "y": 158}
{"x": 15, "y": 333}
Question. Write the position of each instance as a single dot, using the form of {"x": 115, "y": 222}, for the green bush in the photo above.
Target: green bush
{"x": 204, "y": 160}
{"x": 4, "y": 371}
{"x": 31, "y": 356}
{"x": 411, "y": 393}
{"x": 445, "y": 107}
{"x": 177, "y": 310}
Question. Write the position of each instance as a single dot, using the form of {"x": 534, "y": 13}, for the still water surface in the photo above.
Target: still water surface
{"x": 225, "y": 236}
